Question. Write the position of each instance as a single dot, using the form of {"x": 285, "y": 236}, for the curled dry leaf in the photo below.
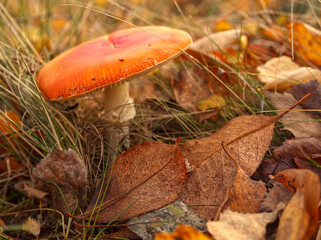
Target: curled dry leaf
{"x": 184, "y": 233}
{"x": 241, "y": 226}
{"x": 215, "y": 172}
{"x": 281, "y": 73}
{"x": 147, "y": 177}
{"x": 65, "y": 169}
{"x": 304, "y": 205}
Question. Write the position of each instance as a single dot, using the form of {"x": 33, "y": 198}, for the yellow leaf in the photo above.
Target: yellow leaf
{"x": 182, "y": 233}
{"x": 212, "y": 102}
{"x": 223, "y": 25}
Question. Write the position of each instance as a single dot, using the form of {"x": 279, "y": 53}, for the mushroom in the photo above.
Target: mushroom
{"x": 111, "y": 61}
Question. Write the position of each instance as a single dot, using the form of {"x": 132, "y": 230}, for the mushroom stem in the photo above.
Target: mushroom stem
{"x": 119, "y": 108}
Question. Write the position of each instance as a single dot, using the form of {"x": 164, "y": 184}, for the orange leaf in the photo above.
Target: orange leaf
{"x": 307, "y": 182}
{"x": 183, "y": 233}
{"x": 307, "y": 42}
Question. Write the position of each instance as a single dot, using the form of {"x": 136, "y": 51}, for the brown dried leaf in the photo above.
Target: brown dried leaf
{"x": 9, "y": 162}
{"x": 279, "y": 194}
{"x": 123, "y": 233}
{"x": 150, "y": 175}
{"x": 306, "y": 186}
{"x": 271, "y": 166}
{"x": 246, "y": 196}
{"x": 145, "y": 89}
{"x": 241, "y": 226}
{"x": 295, "y": 121}
{"x": 248, "y": 150}
{"x": 299, "y": 151}
{"x": 65, "y": 169}
{"x": 195, "y": 85}
{"x": 30, "y": 191}
{"x": 313, "y": 102}
{"x": 215, "y": 172}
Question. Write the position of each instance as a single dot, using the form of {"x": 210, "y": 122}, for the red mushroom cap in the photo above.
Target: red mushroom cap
{"x": 114, "y": 58}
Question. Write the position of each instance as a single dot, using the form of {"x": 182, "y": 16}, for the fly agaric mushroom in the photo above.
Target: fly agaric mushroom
{"x": 110, "y": 62}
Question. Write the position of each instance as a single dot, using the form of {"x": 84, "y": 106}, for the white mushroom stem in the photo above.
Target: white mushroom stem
{"x": 119, "y": 108}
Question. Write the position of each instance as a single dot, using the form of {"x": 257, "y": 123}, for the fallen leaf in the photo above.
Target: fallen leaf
{"x": 305, "y": 203}
{"x": 214, "y": 102}
{"x": 298, "y": 148}
{"x": 293, "y": 153}
{"x": 9, "y": 122}
{"x": 222, "y": 25}
{"x": 146, "y": 177}
{"x": 259, "y": 52}
{"x": 31, "y": 226}
{"x": 145, "y": 89}
{"x": 65, "y": 169}
{"x": 294, "y": 221}
{"x": 248, "y": 150}
{"x": 123, "y": 233}
{"x": 216, "y": 41}
{"x": 182, "y": 233}
{"x": 215, "y": 173}
{"x": 275, "y": 32}
{"x": 297, "y": 122}
{"x": 270, "y": 166}
{"x": 313, "y": 102}
{"x": 30, "y": 191}
{"x": 241, "y": 226}
{"x": 281, "y": 73}
{"x": 307, "y": 42}
{"x": 195, "y": 85}
{"x": 246, "y": 196}
{"x": 165, "y": 219}
{"x": 9, "y": 162}
{"x": 279, "y": 194}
